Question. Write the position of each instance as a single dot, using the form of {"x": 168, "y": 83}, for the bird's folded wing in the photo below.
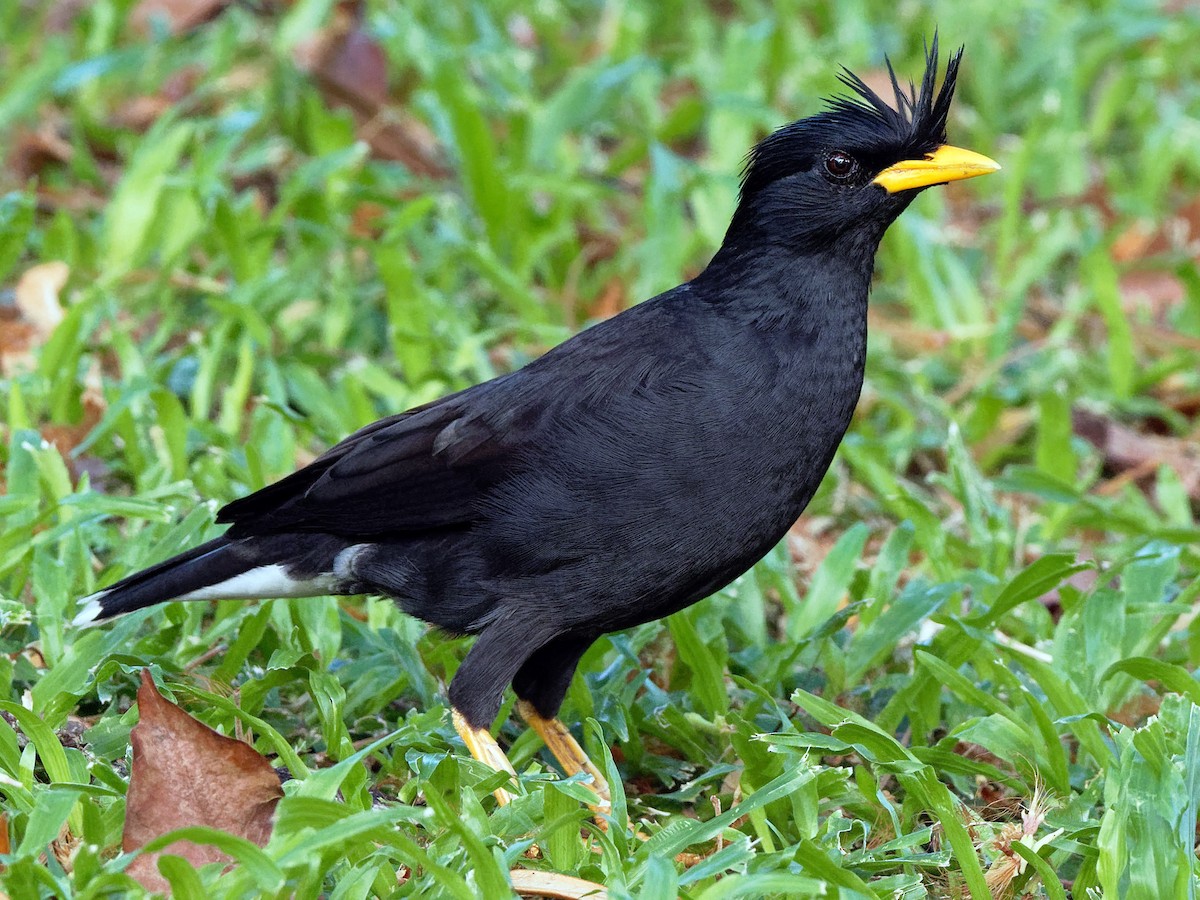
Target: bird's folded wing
{"x": 420, "y": 470}
{"x": 429, "y": 468}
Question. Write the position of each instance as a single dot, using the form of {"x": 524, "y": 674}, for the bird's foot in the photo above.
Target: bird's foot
{"x": 559, "y": 741}
{"x": 484, "y": 748}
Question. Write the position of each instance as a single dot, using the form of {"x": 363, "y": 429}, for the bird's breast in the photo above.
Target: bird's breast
{"x": 658, "y": 495}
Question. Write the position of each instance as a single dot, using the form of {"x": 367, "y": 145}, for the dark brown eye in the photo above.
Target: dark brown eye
{"x": 838, "y": 164}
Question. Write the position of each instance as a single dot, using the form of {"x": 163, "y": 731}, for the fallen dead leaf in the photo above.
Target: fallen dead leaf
{"x": 611, "y": 301}
{"x": 911, "y": 338}
{"x": 183, "y": 774}
{"x": 1134, "y": 712}
{"x": 550, "y": 884}
{"x": 809, "y": 540}
{"x": 1131, "y": 455}
{"x": 33, "y": 151}
{"x": 368, "y": 220}
{"x": 34, "y": 657}
{"x": 1153, "y": 294}
{"x": 1177, "y": 232}
{"x": 16, "y": 337}
{"x": 63, "y": 15}
{"x": 1133, "y": 243}
{"x": 139, "y": 113}
{"x": 37, "y": 295}
{"x": 352, "y": 65}
{"x": 35, "y": 313}
{"x": 1180, "y": 398}
{"x": 65, "y": 846}
{"x": 77, "y": 199}
{"x": 67, "y": 436}
{"x": 178, "y": 15}
{"x": 351, "y": 69}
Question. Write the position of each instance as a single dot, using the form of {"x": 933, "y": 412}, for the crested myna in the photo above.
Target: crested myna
{"x": 630, "y": 471}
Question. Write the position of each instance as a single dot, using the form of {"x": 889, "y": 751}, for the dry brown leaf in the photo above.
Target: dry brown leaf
{"x": 183, "y": 774}
{"x": 1133, "y": 243}
{"x": 64, "y": 847}
{"x": 16, "y": 337}
{"x": 178, "y": 15}
{"x": 1182, "y": 399}
{"x": 351, "y": 69}
{"x": 67, "y": 436}
{"x": 809, "y": 541}
{"x": 63, "y": 15}
{"x": 911, "y": 338}
{"x": 1131, "y": 455}
{"x": 35, "y": 314}
{"x": 33, "y": 151}
{"x": 37, "y": 296}
{"x": 1178, "y": 232}
{"x": 1151, "y": 293}
{"x": 611, "y": 301}
{"x": 139, "y": 113}
{"x": 353, "y": 66}
{"x": 551, "y": 884}
{"x": 368, "y": 220}
{"x": 1134, "y": 712}
{"x": 76, "y": 199}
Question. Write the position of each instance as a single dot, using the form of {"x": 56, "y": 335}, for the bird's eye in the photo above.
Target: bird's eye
{"x": 839, "y": 165}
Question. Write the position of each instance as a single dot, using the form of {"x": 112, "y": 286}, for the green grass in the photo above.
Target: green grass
{"x": 249, "y": 283}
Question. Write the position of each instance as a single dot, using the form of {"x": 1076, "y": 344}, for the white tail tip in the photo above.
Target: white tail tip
{"x": 90, "y": 610}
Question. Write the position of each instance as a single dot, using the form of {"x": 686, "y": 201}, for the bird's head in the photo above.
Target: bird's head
{"x": 849, "y": 171}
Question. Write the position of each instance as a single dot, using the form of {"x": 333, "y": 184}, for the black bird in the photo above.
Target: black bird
{"x": 629, "y": 472}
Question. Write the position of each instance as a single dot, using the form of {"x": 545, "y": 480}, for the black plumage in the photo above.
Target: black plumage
{"x": 634, "y": 469}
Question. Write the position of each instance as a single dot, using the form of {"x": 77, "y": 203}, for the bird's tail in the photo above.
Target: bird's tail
{"x": 218, "y": 570}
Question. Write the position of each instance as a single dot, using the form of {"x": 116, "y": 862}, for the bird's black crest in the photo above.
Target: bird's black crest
{"x": 865, "y": 122}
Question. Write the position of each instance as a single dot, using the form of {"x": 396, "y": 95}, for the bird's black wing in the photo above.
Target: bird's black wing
{"x": 419, "y": 470}
{"x": 430, "y": 467}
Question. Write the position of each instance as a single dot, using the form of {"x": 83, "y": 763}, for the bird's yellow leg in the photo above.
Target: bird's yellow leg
{"x": 566, "y": 750}
{"x": 484, "y": 748}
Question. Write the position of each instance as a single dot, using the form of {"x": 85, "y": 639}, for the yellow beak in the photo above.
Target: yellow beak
{"x": 944, "y": 164}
